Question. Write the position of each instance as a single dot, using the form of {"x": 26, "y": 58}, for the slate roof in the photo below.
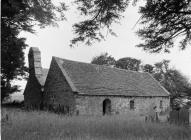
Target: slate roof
{"x": 91, "y": 79}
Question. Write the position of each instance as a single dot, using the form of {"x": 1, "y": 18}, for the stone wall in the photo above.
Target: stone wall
{"x": 57, "y": 92}
{"x": 93, "y": 105}
{"x": 32, "y": 93}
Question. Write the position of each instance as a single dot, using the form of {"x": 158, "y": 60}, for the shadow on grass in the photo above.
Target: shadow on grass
{"x": 14, "y": 104}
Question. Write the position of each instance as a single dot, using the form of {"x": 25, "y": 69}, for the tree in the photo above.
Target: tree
{"x": 177, "y": 85}
{"x": 148, "y": 68}
{"x": 12, "y": 64}
{"x": 17, "y": 16}
{"x": 101, "y": 14}
{"x": 128, "y": 63}
{"x": 160, "y": 69}
{"x": 163, "y": 22}
{"x": 173, "y": 81}
{"x": 104, "y": 59}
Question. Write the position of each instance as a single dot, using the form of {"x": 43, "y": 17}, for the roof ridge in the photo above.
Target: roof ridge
{"x": 138, "y": 72}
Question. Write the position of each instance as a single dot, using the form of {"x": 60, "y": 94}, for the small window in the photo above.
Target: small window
{"x": 161, "y": 104}
{"x": 107, "y": 107}
{"x": 132, "y": 105}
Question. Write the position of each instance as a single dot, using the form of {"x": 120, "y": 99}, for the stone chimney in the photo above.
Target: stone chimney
{"x": 34, "y": 58}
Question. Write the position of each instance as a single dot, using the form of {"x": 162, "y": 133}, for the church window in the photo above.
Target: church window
{"x": 161, "y": 104}
{"x": 132, "y": 105}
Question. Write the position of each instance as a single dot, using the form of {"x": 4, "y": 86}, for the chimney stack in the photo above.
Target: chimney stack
{"x": 34, "y": 58}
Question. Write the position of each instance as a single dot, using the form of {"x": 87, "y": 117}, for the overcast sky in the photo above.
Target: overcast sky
{"x": 54, "y": 41}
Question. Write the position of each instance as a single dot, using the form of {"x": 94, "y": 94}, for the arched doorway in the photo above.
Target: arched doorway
{"x": 106, "y": 107}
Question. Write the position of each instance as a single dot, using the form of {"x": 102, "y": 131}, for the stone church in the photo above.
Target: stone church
{"x": 79, "y": 88}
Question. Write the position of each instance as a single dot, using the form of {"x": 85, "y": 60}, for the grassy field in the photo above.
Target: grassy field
{"x": 33, "y": 125}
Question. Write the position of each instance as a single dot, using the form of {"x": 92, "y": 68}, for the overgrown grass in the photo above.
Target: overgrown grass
{"x": 22, "y": 125}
